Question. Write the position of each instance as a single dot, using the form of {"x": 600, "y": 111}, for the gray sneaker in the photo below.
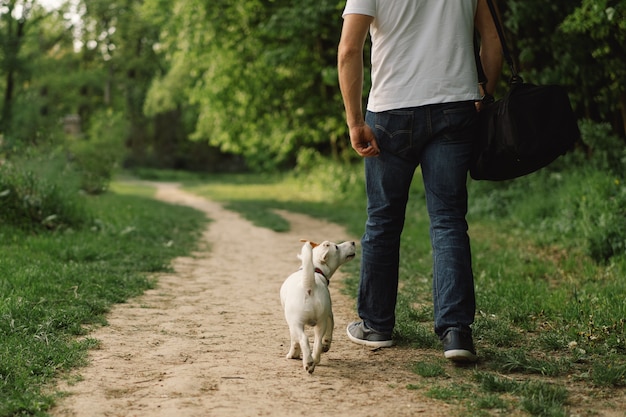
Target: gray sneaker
{"x": 359, "y": 333}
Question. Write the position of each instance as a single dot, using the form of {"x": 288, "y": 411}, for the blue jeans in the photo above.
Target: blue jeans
{"x": 439, "y": 138}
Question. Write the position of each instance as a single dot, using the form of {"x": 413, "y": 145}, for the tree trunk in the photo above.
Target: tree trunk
{"x": 12, "y": 50}
{"x": 622, "y": 106}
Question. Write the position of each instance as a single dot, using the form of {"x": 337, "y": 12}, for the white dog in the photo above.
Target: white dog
{"x": 306, "y": 300}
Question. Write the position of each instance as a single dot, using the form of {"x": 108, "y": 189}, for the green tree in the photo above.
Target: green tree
{"x": 123, "y": 38}
{"x": 15, "y": 15}
{"x": 603, "y": 23}
{"x": 36, "y": 54}
{"x": 116, "y": 35}
{"x": 255, "y": 78}
{"x": 261, "y": 75}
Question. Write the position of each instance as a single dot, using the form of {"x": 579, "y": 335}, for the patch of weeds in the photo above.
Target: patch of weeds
{"x": 450, "y": 393}
{"x": 72, "y": 380}
{"x": 538, "y": 398}
{"x": 494, "y": 384}
{"x": 543, "y": 399}
{"x": 429, "y": 370}
{"x": 552, "y": 341}
{"x": 490, "y": 402}
{"x": 41, "y": 195}
{"x": 518, "y": 361}
{"x": 495, "y": 331}
{"x": 416, "y": 335}
{"x": 609, "y": 374}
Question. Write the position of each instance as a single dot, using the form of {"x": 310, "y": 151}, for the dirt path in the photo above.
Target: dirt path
{"x": 211, "y": 339}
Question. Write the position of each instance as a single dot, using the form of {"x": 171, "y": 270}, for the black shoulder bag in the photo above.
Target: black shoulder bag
{"x": 525, "y": 130}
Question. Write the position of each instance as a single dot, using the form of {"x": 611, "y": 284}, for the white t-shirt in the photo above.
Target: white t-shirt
{"x": 422, "y": 51}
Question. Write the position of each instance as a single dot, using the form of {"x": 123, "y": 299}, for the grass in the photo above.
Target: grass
{"x": 55, "y": 285}
{"x": 429, "y": 369}
{"x": 550, "y": 317}
{"x": 257, "y": 196}
{"x": 551, "y": 313}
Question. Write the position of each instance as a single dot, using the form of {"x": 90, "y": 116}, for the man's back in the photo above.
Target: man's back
{"x": 422, "y": 51}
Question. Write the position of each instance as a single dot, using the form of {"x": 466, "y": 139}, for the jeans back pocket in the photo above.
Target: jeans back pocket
{"x": 394, "y": 131}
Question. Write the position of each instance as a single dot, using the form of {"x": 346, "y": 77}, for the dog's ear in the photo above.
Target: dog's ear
{"x": 313, "y": 244}
{"x": 324, "y": 251}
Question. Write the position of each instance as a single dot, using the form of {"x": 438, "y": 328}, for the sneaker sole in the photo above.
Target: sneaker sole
{"x": 460, "y": 355}
{"x": 370, "y": 343}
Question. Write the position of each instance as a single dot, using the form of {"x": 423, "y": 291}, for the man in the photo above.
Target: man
{"x": 422, "y": 110}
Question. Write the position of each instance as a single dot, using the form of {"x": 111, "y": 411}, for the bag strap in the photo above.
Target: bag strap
{"x": 515, "y": 77}
{"x": 482, "y": 77}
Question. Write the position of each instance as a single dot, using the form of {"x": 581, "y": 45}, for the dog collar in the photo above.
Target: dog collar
{"x": 319, "y": 271}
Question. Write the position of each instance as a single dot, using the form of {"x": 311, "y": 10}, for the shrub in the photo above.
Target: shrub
{"x": 330, "y": 179}
{"x": 606, "y": 151}
{"x": 603, "y": 216}
{"x": 40, "y": 192}
{"x": 97, "y": 156}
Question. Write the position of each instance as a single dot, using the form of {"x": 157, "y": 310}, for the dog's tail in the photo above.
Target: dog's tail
{"x": 306, "y": 256}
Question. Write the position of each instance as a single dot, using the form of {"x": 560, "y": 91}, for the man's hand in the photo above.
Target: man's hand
{"x": 363, "y": 141}
{"x": 350, "y": 69}
{"x": 484, "y": 102}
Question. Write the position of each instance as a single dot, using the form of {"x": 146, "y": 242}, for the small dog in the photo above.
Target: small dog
{"x": 306, "y": 301}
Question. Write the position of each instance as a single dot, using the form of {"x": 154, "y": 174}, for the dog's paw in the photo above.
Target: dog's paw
{"x": 309, "y": 364}
{"x": 293, "y": 355}
{"x": 326, "y": 345}
{"x": 294, "y": 352}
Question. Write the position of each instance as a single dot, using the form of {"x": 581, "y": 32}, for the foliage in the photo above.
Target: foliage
{"x": 39, "y": 192}
{"x": 97, "y": 155}
{"x": 120, "y": 37}
{"x": 589, "y": 211}
{"x": 576, "y": 44}
{"x": 254, "y": 78}
{"x": 603, "y": 216}
{"x": 261, "y": 76}
{"x": 41, "y": 188}
{"x": 603, "y": 24}
{"x": 604, "y": 148}
{"x": 311, "y": 192}
{"x": 538, "y": 399}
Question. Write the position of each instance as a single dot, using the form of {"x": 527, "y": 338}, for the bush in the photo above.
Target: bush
{"x": 41, "y": 192}
{"x": 607, "y": 152}
{"x": 97, "y": 156}
{"x": 330, "y": 180}
{"x": 603, "y": 216}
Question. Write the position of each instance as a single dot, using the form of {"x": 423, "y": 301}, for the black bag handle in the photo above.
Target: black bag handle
{"x": 482, "y": 78}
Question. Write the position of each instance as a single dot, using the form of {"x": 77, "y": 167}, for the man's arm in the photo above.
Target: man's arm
{"x": 350, "y": 68}
{"x": 490, "y": 46}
